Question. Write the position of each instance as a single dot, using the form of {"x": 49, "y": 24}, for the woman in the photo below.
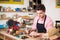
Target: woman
{"x": 42, "y": 23}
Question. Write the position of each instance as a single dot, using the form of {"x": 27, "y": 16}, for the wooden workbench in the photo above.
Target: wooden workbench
{"x": 6, "y": 36}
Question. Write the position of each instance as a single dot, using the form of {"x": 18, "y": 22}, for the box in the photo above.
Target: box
{"x": 1, "y": 26}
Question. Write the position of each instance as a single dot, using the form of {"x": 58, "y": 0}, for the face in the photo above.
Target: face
{"x": 41, "y": 13}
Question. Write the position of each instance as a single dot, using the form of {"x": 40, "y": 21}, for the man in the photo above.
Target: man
{"x": 42, "y": 23}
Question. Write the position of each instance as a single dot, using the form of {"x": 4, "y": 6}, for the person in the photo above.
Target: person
{"x": 42, "y": 23}
{"x": 12, "y": 25}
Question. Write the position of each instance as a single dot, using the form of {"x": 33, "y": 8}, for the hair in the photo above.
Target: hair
{"x": 10, "y": 22}
{"x": 40, "y": 7}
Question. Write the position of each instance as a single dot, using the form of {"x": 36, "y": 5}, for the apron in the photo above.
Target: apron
{"x": 41, "y": 27}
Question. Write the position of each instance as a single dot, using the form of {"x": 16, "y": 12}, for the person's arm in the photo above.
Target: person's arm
{"x": 49, "y": 25}
{"x": 34, "y": 23}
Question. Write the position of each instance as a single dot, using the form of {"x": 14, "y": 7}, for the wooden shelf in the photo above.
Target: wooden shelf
{"x": 4, "y": 19}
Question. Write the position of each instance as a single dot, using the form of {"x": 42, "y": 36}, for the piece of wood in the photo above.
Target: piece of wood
{"x": 53, "y": 37}
{"x": 1, "y": 36}
{"x": 52, "y": 31}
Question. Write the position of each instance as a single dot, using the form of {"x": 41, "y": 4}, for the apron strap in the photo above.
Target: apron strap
{"x": 45, "y": 19}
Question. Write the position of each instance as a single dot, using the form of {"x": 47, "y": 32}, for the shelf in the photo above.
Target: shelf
{"x": 4, "y": 19}
{"x": 23, "y": 12}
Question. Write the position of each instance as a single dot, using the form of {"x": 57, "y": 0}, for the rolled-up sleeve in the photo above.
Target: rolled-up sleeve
{"x": 49, "y": 24}
{"x": 34, "y": 23}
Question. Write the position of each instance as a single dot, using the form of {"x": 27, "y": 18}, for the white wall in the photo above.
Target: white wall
{"x": 13, "y": 6}
{"x": 51, "y": 9}
{"x": 10, "y": 14}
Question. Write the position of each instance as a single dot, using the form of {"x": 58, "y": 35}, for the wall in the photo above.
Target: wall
{"x": 51, "y": 9}
{"x": 10, "y": 14}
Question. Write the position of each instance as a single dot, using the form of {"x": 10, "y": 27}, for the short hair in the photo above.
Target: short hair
{"x": 40, "y": 7}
